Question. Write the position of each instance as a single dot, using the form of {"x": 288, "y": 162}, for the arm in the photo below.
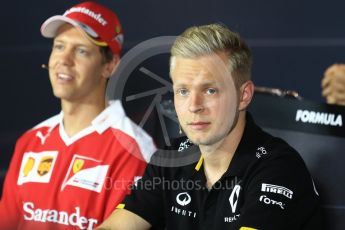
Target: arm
{"x": 141, "y": 209}
{"x": 121, "y": 219}
{"x": 9, "y": 203}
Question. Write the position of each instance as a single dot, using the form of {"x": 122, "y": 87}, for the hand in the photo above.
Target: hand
{"x": 333, "y": 84}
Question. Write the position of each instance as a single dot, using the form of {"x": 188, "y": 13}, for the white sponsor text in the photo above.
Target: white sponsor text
{"x": 269, "y": 201}
{"x": 276, "y": 189}
{"x": 59, "y": 217}
{"x": 306, "y": 116}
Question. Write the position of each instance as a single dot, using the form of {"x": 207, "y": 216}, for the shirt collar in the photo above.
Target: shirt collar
{"x": 252, "y": 138}
{"x": 106, "y": 118}
{"x": 101, "y": 123}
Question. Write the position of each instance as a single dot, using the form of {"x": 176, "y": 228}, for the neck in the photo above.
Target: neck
{"x": 217, "y": 157}
{"x": 78, "y": 116}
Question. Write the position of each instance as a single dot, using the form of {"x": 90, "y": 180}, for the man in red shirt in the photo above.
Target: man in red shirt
{"x": 71, "y": 171}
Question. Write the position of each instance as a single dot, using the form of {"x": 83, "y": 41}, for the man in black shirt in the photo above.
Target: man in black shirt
{"x": 237, "y": 176}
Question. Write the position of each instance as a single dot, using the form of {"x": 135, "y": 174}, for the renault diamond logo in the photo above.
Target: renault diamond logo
{"x": 234, "y": 197}
{"x": 183, "y": 199}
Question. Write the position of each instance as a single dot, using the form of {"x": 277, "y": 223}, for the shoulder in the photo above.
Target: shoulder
{"x": 176, "y": 161}
{"x": 41, "y": 128}
{"x": 50, "y": 122}
{"x": 121, "y": 124}
{"x": 277, "y": 165}
{"x": 265, "y": 159}
{"x": 262, "y": 148}
{"x": 278, "y": 151}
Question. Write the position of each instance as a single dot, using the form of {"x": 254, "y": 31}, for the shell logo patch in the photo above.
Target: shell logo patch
{"x": 28, "y": 166}
{"x": 37, "y": 167}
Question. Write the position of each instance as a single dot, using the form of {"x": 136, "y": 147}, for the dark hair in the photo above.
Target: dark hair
{"x": 107, "y": 54}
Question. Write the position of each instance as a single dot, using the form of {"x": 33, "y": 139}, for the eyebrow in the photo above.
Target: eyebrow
{"x": 203, "y": 84}
{"x": 74, "y": 44}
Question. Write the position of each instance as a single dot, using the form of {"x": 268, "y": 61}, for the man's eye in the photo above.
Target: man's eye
{"x": 211, "y": 91}
{"x": 82, "y": 51}
{"x": 182, "y": 92}
{"x": 57, "y": 47}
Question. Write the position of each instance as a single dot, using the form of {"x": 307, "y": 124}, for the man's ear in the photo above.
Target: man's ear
{"x": 111, "y": 66}
{"x": 246, "y": 95}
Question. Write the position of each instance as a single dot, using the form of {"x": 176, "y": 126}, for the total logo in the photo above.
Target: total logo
{"x": 183, "y": 198}
{"x": 269, "y": 201}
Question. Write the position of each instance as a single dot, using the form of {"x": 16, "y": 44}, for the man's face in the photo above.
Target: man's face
{"x": 75, "y": 66}
{"x": 205, "y": 98}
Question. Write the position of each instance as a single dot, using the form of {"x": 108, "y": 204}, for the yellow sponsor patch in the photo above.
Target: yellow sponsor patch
{"x": 120, "y": 206}
{"x": 37, "y": 167}
{"x": 78, "y": 164}
{"x": 28, "y": 166}
{"x": 45, "y": 165}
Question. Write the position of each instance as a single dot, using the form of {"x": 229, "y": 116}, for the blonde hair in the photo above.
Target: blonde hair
{"x": 203, "y": 40}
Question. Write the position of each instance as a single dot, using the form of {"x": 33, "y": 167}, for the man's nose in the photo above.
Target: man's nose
{"x": 196, "y": 103}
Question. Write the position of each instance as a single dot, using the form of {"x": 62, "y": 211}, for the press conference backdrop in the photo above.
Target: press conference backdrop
{"x": 317, "y": 131}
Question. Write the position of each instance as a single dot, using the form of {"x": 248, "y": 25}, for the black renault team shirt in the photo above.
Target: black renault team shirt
{"x": 267, "y": 186}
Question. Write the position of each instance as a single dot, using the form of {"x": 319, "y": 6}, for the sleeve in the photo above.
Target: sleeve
{"x": 10, "y": 200}
{"x": 280, "y": 195}
{"x": 128, "y": 170}
{"x": 146, "y": 198}
{"x": 129, "y": 166}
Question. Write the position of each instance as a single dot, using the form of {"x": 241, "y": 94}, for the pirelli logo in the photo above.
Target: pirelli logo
{"x": 276, "y": 189}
